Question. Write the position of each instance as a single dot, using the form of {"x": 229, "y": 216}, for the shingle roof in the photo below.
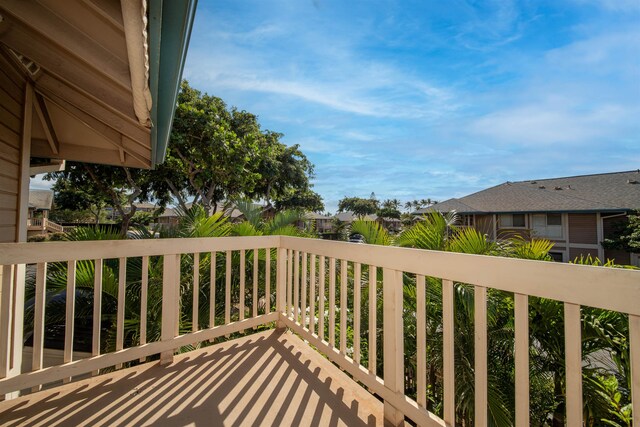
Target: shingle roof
{"x": 41, "y": 199}
{"x": 616, "y": 191}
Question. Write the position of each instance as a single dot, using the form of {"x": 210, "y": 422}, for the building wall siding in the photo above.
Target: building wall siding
{"x": 583, "y": 229}
{"x": 11, "y": 113}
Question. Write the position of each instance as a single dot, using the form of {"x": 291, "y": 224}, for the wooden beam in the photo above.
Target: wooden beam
{"x": 141, "y": 149}
{"x": 47, "y": 125}
{"x": 81, "y": 153}
{"x": 56, "y": 89}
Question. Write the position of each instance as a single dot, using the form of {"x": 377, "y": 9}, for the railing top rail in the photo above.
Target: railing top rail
{"x": 29, "y": 253}
{"x": 608, "y": 288}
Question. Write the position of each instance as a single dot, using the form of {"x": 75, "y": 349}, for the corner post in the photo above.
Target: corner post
{"x": 393, "y": 337}
{"x": 170, "y": 304}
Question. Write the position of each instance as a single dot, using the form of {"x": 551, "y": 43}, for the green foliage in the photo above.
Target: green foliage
{"x": 217, "y": 153}
{"x": 626, "y": 235}
{"x": 359, "y": 206}
{"x": 372, "y": 231}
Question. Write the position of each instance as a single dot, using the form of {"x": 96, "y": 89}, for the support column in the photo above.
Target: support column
{"x": 170, "y": 303}
{"x": 281, "y": 285}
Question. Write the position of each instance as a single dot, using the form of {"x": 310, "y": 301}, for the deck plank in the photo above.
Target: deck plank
{"x": 269, "y": 378}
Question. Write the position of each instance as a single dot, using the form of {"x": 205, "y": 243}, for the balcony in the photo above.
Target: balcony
{"x": 43, "y": 225}
{"x": 281, "y": 329}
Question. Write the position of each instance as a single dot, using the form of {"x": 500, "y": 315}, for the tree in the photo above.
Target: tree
{"x": 390, "y": 209}
{"x": 70, "y": 198}
{"x": 359, "y": 206}
{"x": 216, "y": 154}
{"x": 118, "y": 186}
{"x": 307, "y": 200}
{"x": 626, "y": 235}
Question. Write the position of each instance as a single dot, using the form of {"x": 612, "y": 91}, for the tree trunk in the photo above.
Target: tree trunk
{"x": 558, "y": 412}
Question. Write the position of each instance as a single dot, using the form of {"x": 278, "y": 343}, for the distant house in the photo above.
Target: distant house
{"x": 322, "y": 223}
{"x": 40, "y": 203}
{"x": 577, "y": 213}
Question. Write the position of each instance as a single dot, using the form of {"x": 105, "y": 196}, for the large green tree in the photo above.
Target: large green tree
{"x": 118, "y": 186}
{"x": 359, "y": 206}
{"x": 216, "y": 153}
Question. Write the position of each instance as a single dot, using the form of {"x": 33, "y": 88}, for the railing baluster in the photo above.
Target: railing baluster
{"x": 6, "y": 317}
{"x": 521, "y": 314}
{"x": 421, "y": 338}
{"x": 170, "y": 305}
{"x": 321, "y": 295}
{"x": 196, "y": 291}
{"x": 289, "y": 283}
{"x": 267, "y": 281}
{"x": 296, "y": 287}
{"x": 312, "y": 295}
{"x": 343, "y": 306}
{"x": 480, "y": 357}
{"x": 97, "y": 308}
{"x": 243, "y": 268}
{"x": 212, "y": 290}
{"x": 357, "y": 288}
{"x": 303, "y": 306}
{"x": 227, "y": 290}
{"x": 144, "y": 300}
{"x": 70, "y": 310}
{"x": 281, "y": 284}
{"x": 448, "y": 353}
{"x": 38, "y": 318}
{"x": 332, "y": 302}
{"x": 373, "y": 307}
{"x": 122, "y": 280}
{"x": 254, "y": 292}
{"x": 634, "y": 341}
{"x": 573, "y": 363}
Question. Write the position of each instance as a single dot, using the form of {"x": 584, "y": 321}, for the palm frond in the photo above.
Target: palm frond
{"x": 372, "y": 232}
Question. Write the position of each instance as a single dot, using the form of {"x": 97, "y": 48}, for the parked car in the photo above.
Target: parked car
{"x": 356, "y": 238}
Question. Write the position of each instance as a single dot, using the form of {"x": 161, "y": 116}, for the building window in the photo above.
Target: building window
{"x": 547, "y": 225}
{"x": 511, "y": 221}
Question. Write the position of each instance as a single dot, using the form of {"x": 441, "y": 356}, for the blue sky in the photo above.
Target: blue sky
{"x": 417, "y": 99}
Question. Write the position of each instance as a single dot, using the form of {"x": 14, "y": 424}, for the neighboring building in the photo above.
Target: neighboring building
{"x": 322, "y": 223}
{"x": 40, "y": 203}
{"x": 576, "y": 213}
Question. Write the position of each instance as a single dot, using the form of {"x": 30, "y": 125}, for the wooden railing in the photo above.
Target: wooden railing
{"x": 43, "y": 224}
{"x": 347, "y": 300}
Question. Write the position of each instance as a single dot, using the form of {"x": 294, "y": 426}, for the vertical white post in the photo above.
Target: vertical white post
{"x": 321, "y": 280}
{"x": 296, "y": 287}
{"x": 196, "y": 292}
{"x": 281, "y": 285}
{"x": 521, "y": 312}
{"x": 38, "y": 318}
{"x": 243, "y": 268}
{"x": 480, "y": 355}
{"x": 122, "y": 279}
{"x": 212, "y": 291}
{"x": 373, "y": 307}
{"x": 573, "y": 363}
{"x": 357, "y": 287}
{"x": 6, "y": 320}
{"x": 634, "y": 351}
{"x": 227, "y": 290}
{"x": 332, "y": 302}
{"x": 393, "y": 342}
{"x": 144, "y": 300}
{"x": 343, "y": 306}
{"x": 170, "y": 293}
{"x": 448, "y": 353}
{"x": 267, "y": 281}
{"x": 421, "y": 338}
{"x": 312, "y": 296}
{"x": 254, "y": 292}
{"x": 303, "y": 296}
{"x": 70, "y": 314}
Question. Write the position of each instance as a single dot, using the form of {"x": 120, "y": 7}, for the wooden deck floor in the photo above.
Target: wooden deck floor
{"x": 271, "y": 378}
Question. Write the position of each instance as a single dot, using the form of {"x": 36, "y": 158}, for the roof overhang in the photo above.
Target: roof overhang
{"x": 104, "y": 83}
